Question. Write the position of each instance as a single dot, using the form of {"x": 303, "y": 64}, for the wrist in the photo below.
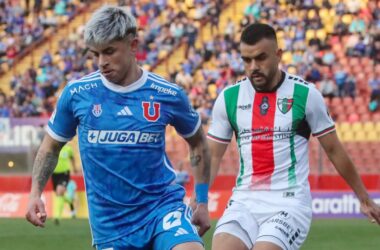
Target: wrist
{"x": 363, "y": 197}
{"x": 201, "y": 193}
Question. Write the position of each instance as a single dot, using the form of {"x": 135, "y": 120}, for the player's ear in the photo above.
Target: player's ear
{"x": 134, "y": 44}
{"x": 279, "y": 54}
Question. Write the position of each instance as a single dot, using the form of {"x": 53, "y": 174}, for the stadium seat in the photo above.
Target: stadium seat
{"x": 336, "y": 101}
{"x": 365, "y": 117}
{"x": 360, "y": 135}
{"x": 356, "y": 126}
{"x": 347, "y": 101}
{"x": 376, "y": 118}
{"x": 372, "y": 135}
{"x": 353, "y": 117}
{"x": 377, "y": 126}
{"x": 342, "y": 117}
{"x": 348, "y": 136}
{"x": 362, "y": 109}
{"x": 368, "y": 126}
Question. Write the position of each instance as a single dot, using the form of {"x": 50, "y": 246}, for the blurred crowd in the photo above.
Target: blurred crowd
{"x": 334, "y": 44}
{"x": 21, "y": 24}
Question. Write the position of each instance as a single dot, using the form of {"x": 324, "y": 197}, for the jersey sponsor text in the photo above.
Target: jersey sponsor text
{"x": 122, "y": 137}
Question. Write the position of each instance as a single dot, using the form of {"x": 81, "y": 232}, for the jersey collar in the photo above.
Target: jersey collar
{"x": 125, "y": 89}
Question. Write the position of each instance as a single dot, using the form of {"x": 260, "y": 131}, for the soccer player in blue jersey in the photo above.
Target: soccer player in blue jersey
{"x": 120, "y": 113}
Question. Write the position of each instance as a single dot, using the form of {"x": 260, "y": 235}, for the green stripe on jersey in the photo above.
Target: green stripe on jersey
{"x": 298, "y": 113}
{"x": 231, "y": 96}
{"x": 230, "y": 99}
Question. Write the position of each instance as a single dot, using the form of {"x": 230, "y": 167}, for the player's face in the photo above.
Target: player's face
{"x": 116, "y": 59}
{"x": 261, "y": 62}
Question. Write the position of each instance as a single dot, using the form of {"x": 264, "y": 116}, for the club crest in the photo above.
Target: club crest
{"x": 264, "y": 106}
{"x": 284, "y": 104}
{"x": 148, "y": 114}
{"x": 97, "y": 110}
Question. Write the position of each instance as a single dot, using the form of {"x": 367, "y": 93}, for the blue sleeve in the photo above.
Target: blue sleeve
{"x": 185, "y": 119}
{"x": 62, "y": 123}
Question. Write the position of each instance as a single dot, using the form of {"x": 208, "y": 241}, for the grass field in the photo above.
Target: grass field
{"x": 17, "y": 234}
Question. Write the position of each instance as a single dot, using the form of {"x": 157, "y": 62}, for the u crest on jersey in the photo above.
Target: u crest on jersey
{"x": 156, "y": 111}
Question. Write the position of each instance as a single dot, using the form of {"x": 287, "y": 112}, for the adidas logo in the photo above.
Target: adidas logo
{"x": 180, "y": 231}
{"x": 124, "y": 112}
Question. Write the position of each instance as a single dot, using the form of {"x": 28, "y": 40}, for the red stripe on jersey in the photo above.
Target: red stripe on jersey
{"x": 264, "y": 108}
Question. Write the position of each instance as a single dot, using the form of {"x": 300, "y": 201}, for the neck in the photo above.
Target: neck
{"x": 275, "y": 81}
{"x": 132, "y": 75}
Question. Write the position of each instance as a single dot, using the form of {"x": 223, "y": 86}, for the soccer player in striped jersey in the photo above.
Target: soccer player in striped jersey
{"x": 272, "y": 114}
{"x": 121, "y": 112}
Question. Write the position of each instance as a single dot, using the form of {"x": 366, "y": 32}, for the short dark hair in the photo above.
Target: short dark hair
{"x": 254, "y": 32}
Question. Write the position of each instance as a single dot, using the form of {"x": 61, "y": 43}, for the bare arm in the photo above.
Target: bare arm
{"x": 343, "y": 164}
{"x": 200, "y": 161}
{"x": 199, "y": 156}
{"x": 346, "y": 169}
{"x": 217, "y": 151}
{"x": 44, "y": 164}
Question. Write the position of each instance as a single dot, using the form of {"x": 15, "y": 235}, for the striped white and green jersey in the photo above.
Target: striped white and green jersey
{"x": 272, "y": 131}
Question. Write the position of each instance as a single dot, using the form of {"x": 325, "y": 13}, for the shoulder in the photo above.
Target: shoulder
{"x": 298, "y": 82}
{"x": 87, "y": 82}
{"x": 295, "y": 79}
{"x": 233, "y": 90}
{"x": 85, "y": 79}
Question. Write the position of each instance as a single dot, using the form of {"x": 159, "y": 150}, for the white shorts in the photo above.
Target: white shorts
{"x": 275, "y": 219}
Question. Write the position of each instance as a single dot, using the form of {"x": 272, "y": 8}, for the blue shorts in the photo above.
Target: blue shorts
{"x": 171, "y": 226}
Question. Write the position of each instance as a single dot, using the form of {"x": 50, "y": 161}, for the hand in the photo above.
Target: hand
{"x": 371, "y": 210}
{"x": 201, "y": 218}
{"x": 36, "y": 213}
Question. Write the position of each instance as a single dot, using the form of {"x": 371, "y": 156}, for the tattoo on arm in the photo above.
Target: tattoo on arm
{"x": 195, "y": 159}
{"x": 43, "y": 168}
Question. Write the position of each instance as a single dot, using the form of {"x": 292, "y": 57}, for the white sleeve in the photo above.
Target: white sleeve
{"x": 317, "y": 115}
{"x": 220, "y": 129}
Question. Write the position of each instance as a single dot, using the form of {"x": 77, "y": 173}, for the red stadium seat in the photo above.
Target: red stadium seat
{"x": 365, "y": 117}
{"x": 347, "y": 101}
{"x": 376, "y": 117}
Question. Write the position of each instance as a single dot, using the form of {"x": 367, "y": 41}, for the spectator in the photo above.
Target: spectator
{"x": 374, "y": 84}
{"x": 350, "y": 86}
{"x": 4, "y": 109}
{"x": 214, "y": 12}
{"x": 340, "y": 80}
{"x": 327, "y": 87}
{"x": 191, "y": 34}
{"x": 230, "y": 29}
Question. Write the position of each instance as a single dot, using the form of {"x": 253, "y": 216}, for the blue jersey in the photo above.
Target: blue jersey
{"x": 121, "y": 134}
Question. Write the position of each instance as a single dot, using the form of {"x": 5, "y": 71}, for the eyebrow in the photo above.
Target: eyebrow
{"x": 254, "y": 57}
{"x": 93, "y": 51}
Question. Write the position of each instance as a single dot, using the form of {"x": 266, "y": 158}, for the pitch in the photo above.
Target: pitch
{"x": 17, "y": 234}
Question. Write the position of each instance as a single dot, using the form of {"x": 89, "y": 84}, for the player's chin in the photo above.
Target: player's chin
{"x": 112, "y": 78}
{"x": 259, "y": 83}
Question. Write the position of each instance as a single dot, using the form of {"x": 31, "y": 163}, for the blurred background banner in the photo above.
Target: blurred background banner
{"x": 19, "y": 141}
{"x": 328, "y": 201}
